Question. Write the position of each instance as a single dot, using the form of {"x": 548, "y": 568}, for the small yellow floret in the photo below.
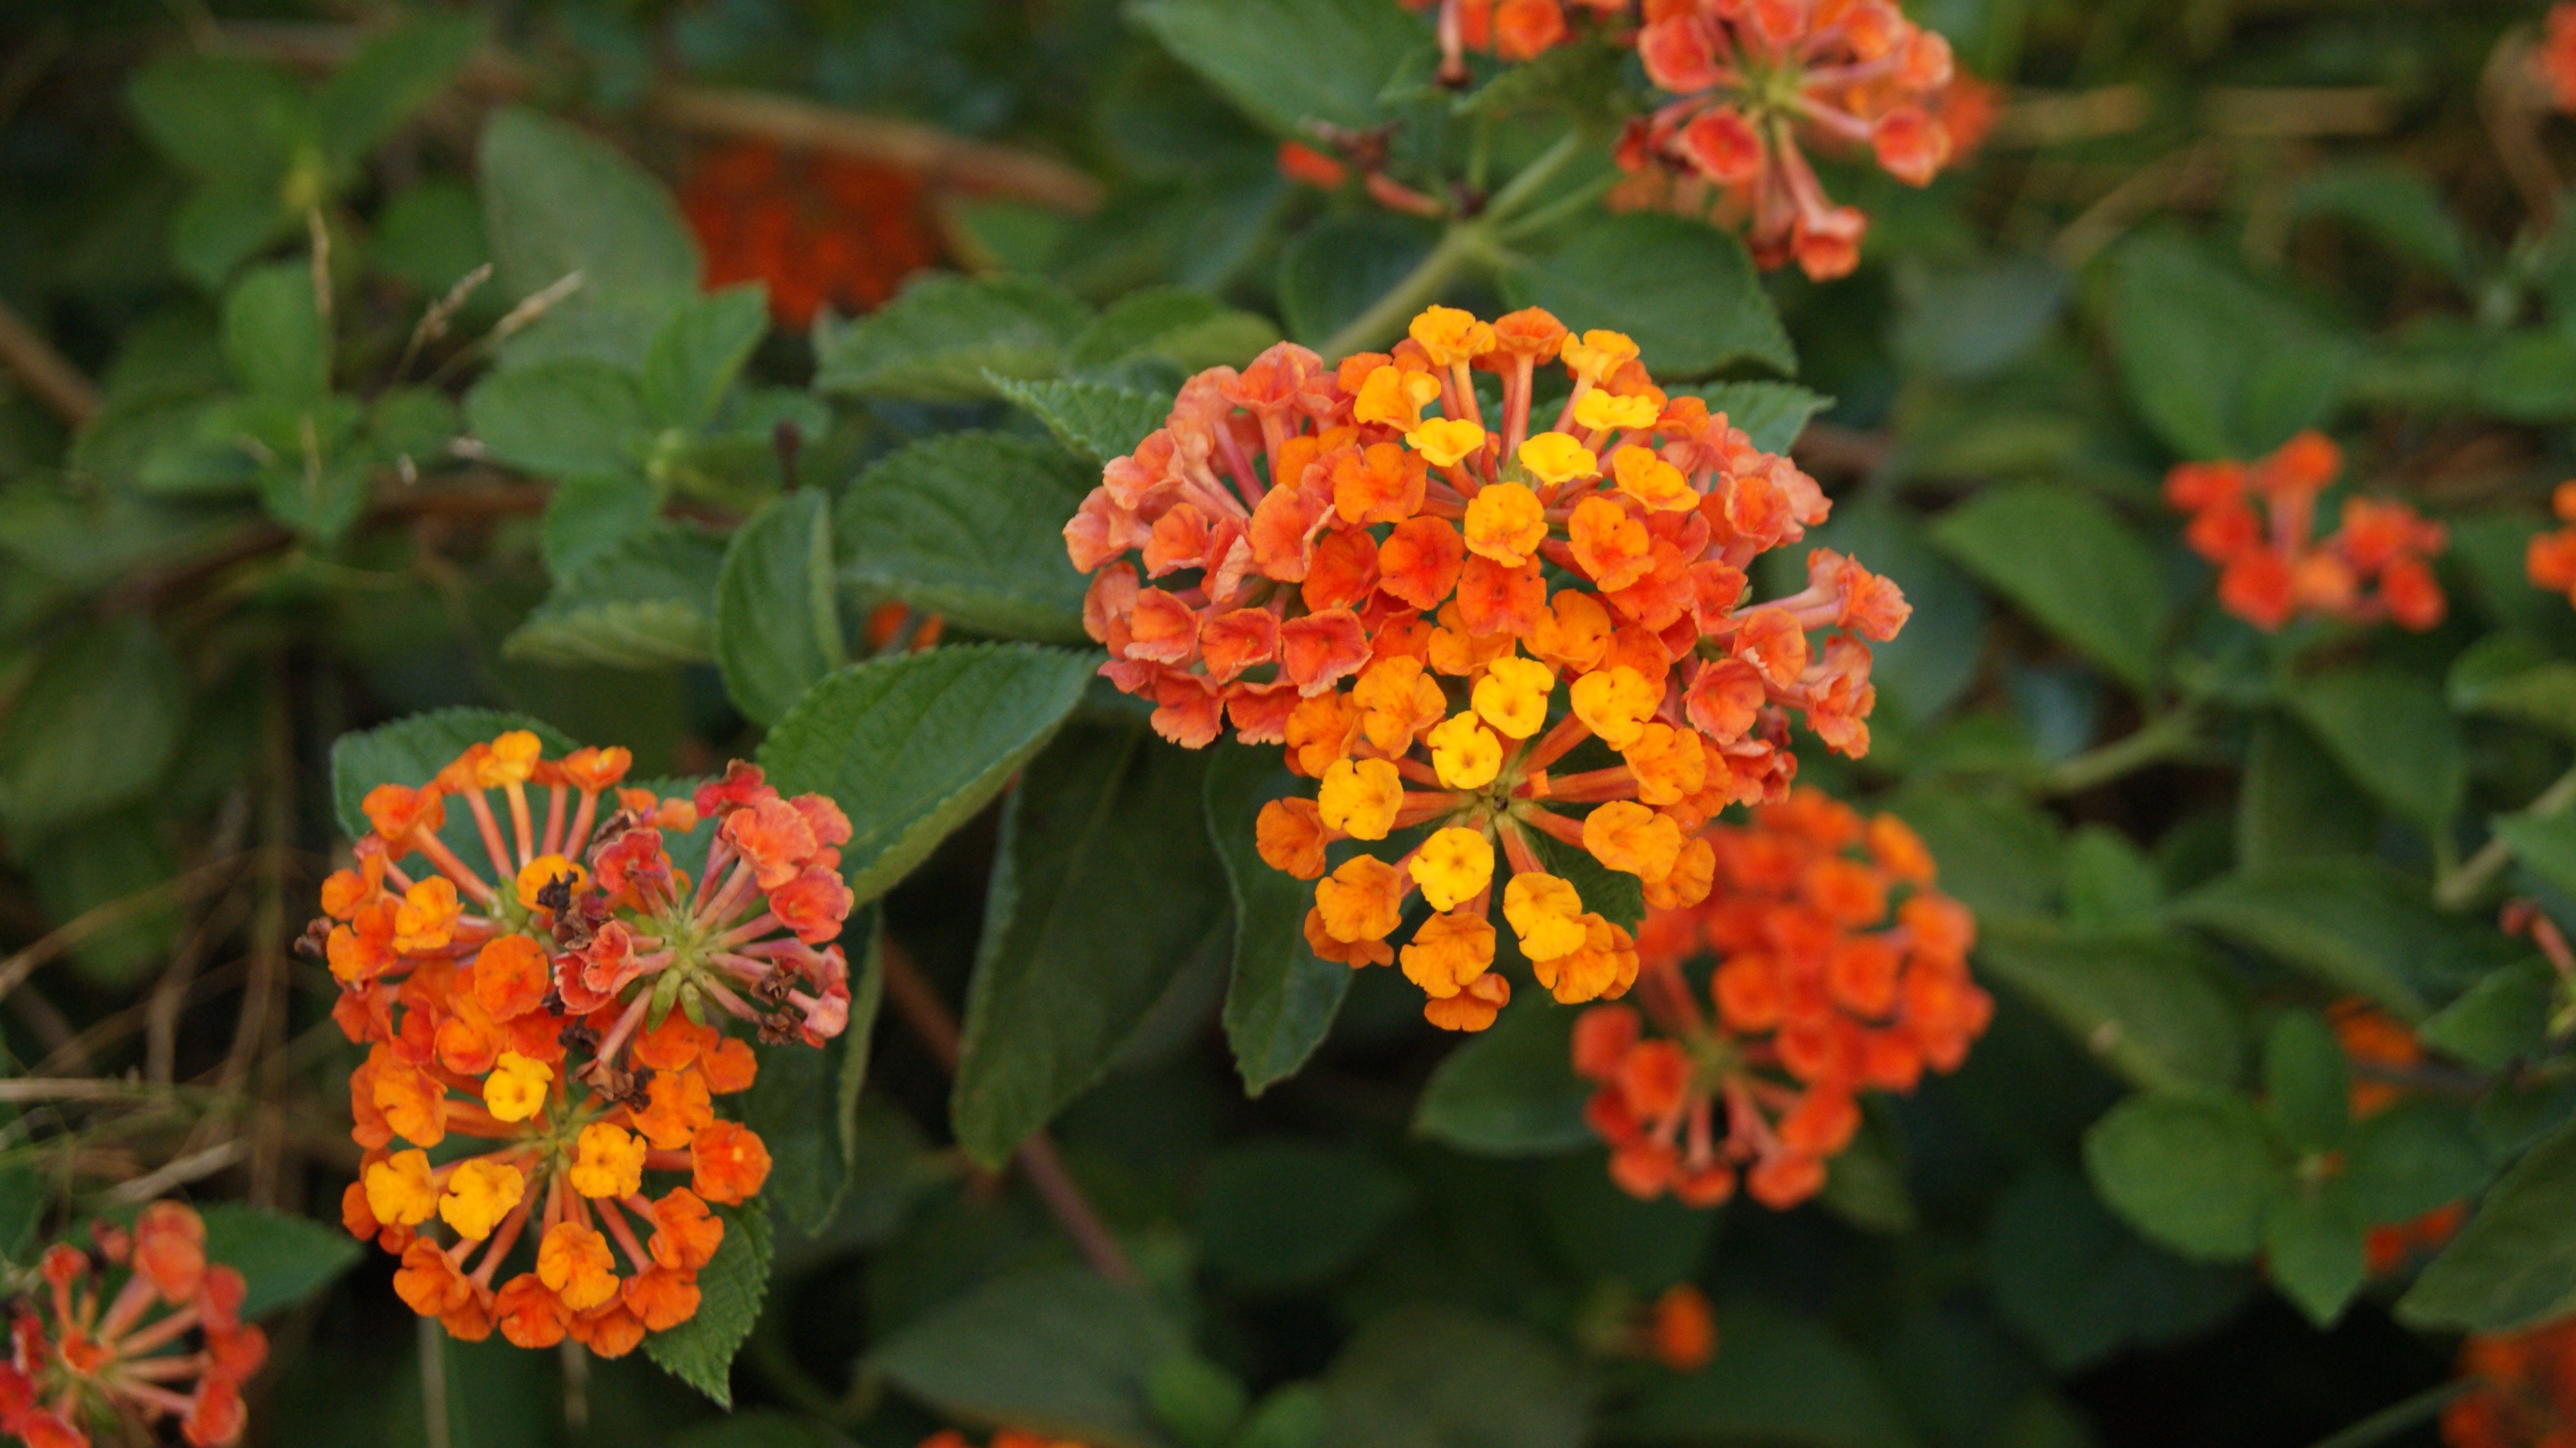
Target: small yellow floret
{"x": 1546, "y": 913}
{"x": 1615, "y": 703}
{"x": 1360, "y": 797}
{"x": 1506, "y": 523}
{"x": 1464, "y": 753}
{"x": 1599, "y": 354}
{"x": 1395, "y": 397}
{"x": 1602, "y": 412}
{"x": 516, "y": 1089}
{"x": 1625, "y": 835}
{"x": 1445, "y": 441}
{"x": 607, "y": 1162}
{"x": 398, "y": 1189}
{"x": 1652, "y": 481}
{"x": 1453, "y": 866}
{"x": 1450, "y": 336}
{"x": 1555, "y": 458}
{"x": 479, "y": 1194}
{"x": 1513, "y": 696}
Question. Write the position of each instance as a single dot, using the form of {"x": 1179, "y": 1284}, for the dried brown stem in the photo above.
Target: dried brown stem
{"x": 938, "y": 157}
{"x": 919, "y": 1003}
{"x": 64, "y": 389}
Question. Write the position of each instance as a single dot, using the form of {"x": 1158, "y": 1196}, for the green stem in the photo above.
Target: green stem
{"x": 1463, "y": 242}
{"x": 2458, "y": 889}
{"x": 2166, "y": 737}
{"x": 1524, "y": 187}
{"x": 2398, "y": 1417}
{"x": 1557, "y": 210}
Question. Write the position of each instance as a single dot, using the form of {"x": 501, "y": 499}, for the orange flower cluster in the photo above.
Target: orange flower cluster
{"x": 1751, "y": 77}
{"x": 2523, "y": 1392}
{"x": 1512, "y": 29}
{"x": 2550, "y": 560}
{"x": 1003, "y": 1438}
{"x": 2377, "y": 1044}
{"x": 1840, "y": 968}
{"x": 560, "y": 1015}
{"x": 820, "y": 230}
{"x": 2257, "y": 523}
{"x": 1357, "y": 562}
{"x": 83, "y": 1360}
{"x": 2556, "y": 57}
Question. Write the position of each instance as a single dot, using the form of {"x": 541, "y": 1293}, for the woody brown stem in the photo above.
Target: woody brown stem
{"x": 927, "y": 1014}
{"x": 64, "y": 389}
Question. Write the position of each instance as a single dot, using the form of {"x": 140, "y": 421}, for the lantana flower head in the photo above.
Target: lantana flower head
{"x": 167, "y": 1343}
{"x": 1002, "y": 1438}
{"x": 1511, "y": 29}
{"x": 1839, "y": 969}
{"x": 2520, "y": 1389}
{"x": 1435, "y": 597}
{"x": 566, "y": 1010}
{"x": 2257, "y": 522}
{"x": 1756, "y": 82}
{"x": 2550, "y": 560}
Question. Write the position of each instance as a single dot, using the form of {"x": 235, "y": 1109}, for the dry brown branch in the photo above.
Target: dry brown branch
{"x": 64, "y": 389}
{"x": 2057, "y": 120}
{"x": 940, "y": 158}
{"x": 81, "y": 927}
{"x": 2298, "y": 112}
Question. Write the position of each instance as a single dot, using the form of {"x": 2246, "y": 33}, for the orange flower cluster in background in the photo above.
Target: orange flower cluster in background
{"x": 1002, "y": 1438}
{"x": 2522, "y": 1391}
{"x": 84, "y": 1360}
{"x": 822, "y": 231}
{"x": 1752, "y": 78}
{"x": 1354, "y": 561}
{"x": 1511, "y": 29}
{"x": 2257, "y": 522}
{"x": 557, "y": 1011}
{"x": 2556, "y": 57}
{"x": 1839, "y": 969}
{"x": 2377, "y": 1044}
{"x": 2550, "y": 560}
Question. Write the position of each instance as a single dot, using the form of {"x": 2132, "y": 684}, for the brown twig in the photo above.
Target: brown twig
{"x": 72, "y": 932}
{"x": 63, "y": 388}
{"x": 922, "y": 1009}
{"x": 940, "y": 158}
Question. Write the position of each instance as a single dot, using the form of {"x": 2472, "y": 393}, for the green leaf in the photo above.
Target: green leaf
{"x": 805, "y": 1104}
{"x": 573, "y": 416}
{"x": 2515, "y": 1262}
{"x": 1099, "y": 420}
{"x": 778, "y": 607}
{"x": 2080, "y": 1286}
{"x": 2502, "y": 1019}
{"x": 2397, "y": 207}
{"x": 1773, "y": 414}
{"x": 1334, "y": 270}
{"x": 2312, "y": 1251}
{"x": 971, "y": 525}
{"x": 1998, "y": 853}
{"x": 1059, "y": 1352}
{"x": 2525, "y": 379}
{"x": 96, "y": 862}
{"x": 1196, "y": 1399}
{"x": 1422, "y": 1376}
{"x": 700, "y": 1351}
{"x": 1106, "y": 887}
{"x": 1189, "y": 329}
{"x": 274, "y": 336}
{"x": 937, "y": 339}
{"x": 93, "y": 727}
{"x": 2543, "y": 844}
{"x": 2218, "y": 366}
{"x": 1865, "y": 1181}
{"x": 2192, "y": 1172}
{"x": 2109, "y": 881}
{"x": 1977, "y": 319}
{"x": 1287, "y": 62}
{"x": 2354, "y": 924}
{"x": 649, "y": 601}
{"x": 2295, "y": 805}
{"x": 2072, "y": 565}
{"x": 1283, "y": 996}
{"x": 556, "y": 201}
{"x": 2145, "y": 1004}
{"x": 222, "y": 225}
{"x": 410, "y": 752}
{"x": 283, "y": 1260}
{"x": 2510, "y": 676}
{"x": 2413, "y": 1157}
{"x": 2305, "y": 1081}
{"x": 222, "y": 117}
{"x": 699, "y": 351}
{"x": 2392, "y": 733}
{"x": 1685, "y": 291}
{"x": 397, "y": 73}
{"x": 1778, "y": 1379}
{"x": 911, "y": 748}
{"x": 1602, "y": 1235}
{"x": 759, "y": 1428}
{"x": 1277, "y": 1215}
{"x": 587, "y": 519}
{"x": 1510, "y": 1090}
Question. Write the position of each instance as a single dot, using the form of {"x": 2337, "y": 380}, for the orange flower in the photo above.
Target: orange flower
{"x": 2257, "y": 523}
{"x": 1354, "y": 561}
{"x": 1818, "y": 995}
{"x": 819, "y": 230}
{"x": 83, "y": 1357}
{"x": 2556, "y": 57}
{"x": 2522, "y": 1391}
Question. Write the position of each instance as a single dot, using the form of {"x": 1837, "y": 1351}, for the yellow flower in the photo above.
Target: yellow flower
{"x": 1553, "y": 457}
{"x": 479, "y": 1195}
{"x": 1625, "y": 835}
{"x": 398, "y": 1189}
{"x": 1513, "y": 696}
{"x": 1451, "y": 336}
{"x": 1446, "y": 442}
{"x": 1546, "y": 913}
{"x": 426, "y": 919}
{"x": 1652, "y": 481}
{"x": 1363, "y": 900}
{"x": 1447, "y": 952}
{"x": 516, "y": 1089}
{"x": 1360, "y": 797}
{"x": 1464, "y": 753}
{"x": 1599, "y": 354}
{"x": 1506, "y": 523}
{"x": 511, "y": 759}
{"x": 573, "y": 1262}
{"x": 1395, "y": 397}
{"x": 544, "y": 870}
{"x": 1615, "y": 703}
{"x": 1453, "y": 866}
{"x": 1602, "y": 412}
{"x": 608, "y": 1162}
